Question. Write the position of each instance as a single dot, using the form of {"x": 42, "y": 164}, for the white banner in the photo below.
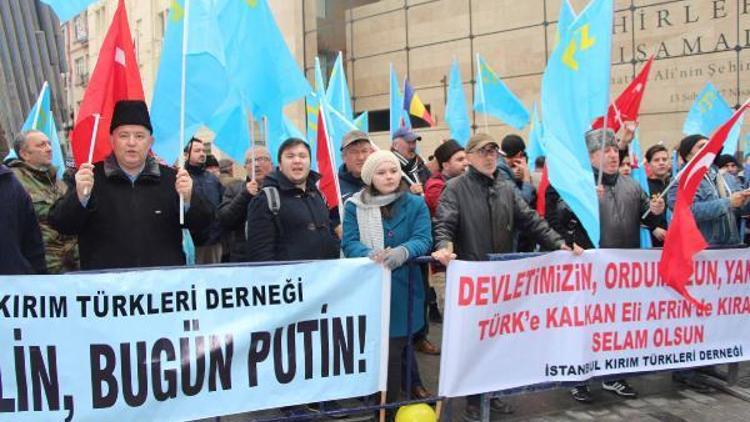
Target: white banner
{"x": 187, "y": 343}
{"x": 558, "y": 317}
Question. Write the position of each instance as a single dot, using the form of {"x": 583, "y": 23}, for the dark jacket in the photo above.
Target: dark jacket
{"x": 232, "y": 215}
{"x": 480, "y": 216}
{"x": 620, "y": 214}
{"x": 348, "y": 184}
{"x": 129, "y": 224}
{"x": 524, "y": 240}
{"x": 209, "y": 188}
{"x": 409, "y": 226}
{"x": 302, "y": 230}
{"x": 21, "y": 246}
{"x": 656, "y": 187}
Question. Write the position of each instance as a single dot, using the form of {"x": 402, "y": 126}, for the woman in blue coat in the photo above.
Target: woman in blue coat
{"x": 390, "y": 225}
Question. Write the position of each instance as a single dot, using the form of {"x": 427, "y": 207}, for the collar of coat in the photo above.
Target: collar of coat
{"x": 286, "y": 185}
{"x": 46, "y": 175}
{"x": 150, "y": 172}
{"x": 481, "y": 177}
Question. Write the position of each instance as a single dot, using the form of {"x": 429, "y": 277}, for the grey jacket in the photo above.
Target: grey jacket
{"x": 480, "y": 215}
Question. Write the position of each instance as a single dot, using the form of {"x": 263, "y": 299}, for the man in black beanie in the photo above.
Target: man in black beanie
{"x": 125, "y": 210}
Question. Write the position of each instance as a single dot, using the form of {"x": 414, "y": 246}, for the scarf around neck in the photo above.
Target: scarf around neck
{"x": 370, "y": 218}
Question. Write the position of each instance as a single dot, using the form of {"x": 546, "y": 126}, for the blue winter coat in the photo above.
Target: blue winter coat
{"x": 715, "y": 218}
{"x": 410, "y": 227}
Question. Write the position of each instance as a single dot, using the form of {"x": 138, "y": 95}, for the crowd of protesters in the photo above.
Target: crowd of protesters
{"x": 463, "y": 203}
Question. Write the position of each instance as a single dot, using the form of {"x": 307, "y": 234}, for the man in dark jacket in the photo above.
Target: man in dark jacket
{"x": 658, "y": 161}
{"x": 355, "y": 148}
{"x": 207, "y": 241}
{"x": 299, "y": 227}
{"x": 125, "y": 210}
{"x": 415, "y": 170}
{"x": 514, "y": 169}
{"x": 622, "y": 202}
{"x": 478, "y": 215}
{"x": 232, "y": 213}
{"x": 21, "y": 247}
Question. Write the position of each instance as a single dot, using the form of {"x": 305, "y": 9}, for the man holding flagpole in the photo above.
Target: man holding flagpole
{"x": 125, "y": 210}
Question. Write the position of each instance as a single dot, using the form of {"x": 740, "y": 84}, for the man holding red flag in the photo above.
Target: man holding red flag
{"x": 116, "y": 77}
{"x": 705, "y": 208}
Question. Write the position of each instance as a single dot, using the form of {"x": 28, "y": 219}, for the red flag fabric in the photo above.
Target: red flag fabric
{"x": 628, "y": 104}
{"x": 684, "y": 239}
{"x": 116, "y": 77}
{"x": 327, "y": 183}
{"x": 541, "y": 201}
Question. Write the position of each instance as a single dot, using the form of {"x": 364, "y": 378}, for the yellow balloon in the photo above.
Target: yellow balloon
{"x": 420, "y": 412}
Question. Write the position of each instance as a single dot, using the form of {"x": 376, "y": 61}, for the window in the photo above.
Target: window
{"x": 321, "y": 7}
{"x": 161, "y": 24}
{"x": 137, "y": 39}
{"x": 81, "y": 72}
{"x": 80, "y": 28}
{"x": 100, "y": 19}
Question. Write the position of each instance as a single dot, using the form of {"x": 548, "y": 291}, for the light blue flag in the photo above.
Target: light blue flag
{"x": 398, "y": 116}
{"x": 337, "y": 93}
{"x": 708, "y": 112}
{"x": 536, "y": 138}
{"x": 338, "y": 126}
{"x": 230, "y": 124}
{"x": 206, "y": 83}
{"x": 638, "y": 174}
{"x": 567, "y": 16}
{"x": 41, "y": 118}
{"x": 291, "y": 130}
{"x": 67, "y": 9}
{"x": 362, "y": 122}
{"x": 312, "y": 106}
{"x": 456, "y": 112}
{"x": 733, "y": 138}
{"x": 259, "y": 62}
{"x": 575, "y": 90}
{"x": 492, "y": 97}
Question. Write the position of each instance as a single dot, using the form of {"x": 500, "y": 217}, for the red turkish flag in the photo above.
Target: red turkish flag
{"x": 684, "y": 239}
{"x": 328, "y": 184}
{"x": 628, "y": 104}
{"x": 116, "y": 77}
{"x": 541, "y": 199}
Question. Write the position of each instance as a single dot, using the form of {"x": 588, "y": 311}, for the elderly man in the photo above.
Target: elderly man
{"x": 622, "y": 202}
{"x": 125, "y": 210}
{"x": 415, "y": 170}
{"x": 206, "y": 183}
{"x": 34, "y": 170}
{"x": 21, "y": 247}
{"x": 232, "y": 213}
{"x": 478, "y": 214}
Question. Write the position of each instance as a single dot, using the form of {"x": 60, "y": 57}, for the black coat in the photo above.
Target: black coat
{"x": 209, "y": 188}
{"x": 656, "y": 187}
{"x": 21, "y": 245}
{"x": 129, "y": 224}
{"x": 302, "y": 230}
{"x": 232, "y": 215}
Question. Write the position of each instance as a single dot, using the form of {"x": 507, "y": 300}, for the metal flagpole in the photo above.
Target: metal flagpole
{"x": 183, "y": 83}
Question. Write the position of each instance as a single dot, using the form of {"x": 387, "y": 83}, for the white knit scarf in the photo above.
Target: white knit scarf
{"x": 369, "y": 217}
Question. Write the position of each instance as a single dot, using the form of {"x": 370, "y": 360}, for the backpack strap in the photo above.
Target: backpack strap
{"x": 274, "y": 205}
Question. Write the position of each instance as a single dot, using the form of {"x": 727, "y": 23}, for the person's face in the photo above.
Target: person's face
{"x": 660, "y": 164}
{"x": 697, "y": 148}
{"x": 263, "y": 164}
{"x": 484, "y": 159}
{"x": 37, "y": 150}
{"x": 295, "y": 164}
{"x": 731, "y": 168}
{"x": 355, "y": 155}
{"x": 386, "y": 178}
{"x": 130, "y": 144}
{"x": 197, "y": 154}
{"x": 611, "y": 159}
{"x": 407, "y": 149}
{"x": 516, "y": 163}
{"x": 214, "y": 170}
{"x": 625, "y": 167}
{"x": 456, "y": 165}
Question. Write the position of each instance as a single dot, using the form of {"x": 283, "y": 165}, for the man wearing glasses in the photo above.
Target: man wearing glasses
{"x": 232, "y": 212}
{"x": 478, "y": 214}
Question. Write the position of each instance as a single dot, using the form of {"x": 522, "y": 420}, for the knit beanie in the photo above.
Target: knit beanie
{"x": 686, "y": 145}
{"x": 446, "y": 150}
{"x": 374, "y": 160}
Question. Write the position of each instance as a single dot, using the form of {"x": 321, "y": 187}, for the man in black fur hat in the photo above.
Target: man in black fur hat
{"x": 125, "y": 210}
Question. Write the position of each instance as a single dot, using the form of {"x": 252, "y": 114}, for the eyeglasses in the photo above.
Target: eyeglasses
{"x": 260, "y": 159}
{"x": 489, "y": 151}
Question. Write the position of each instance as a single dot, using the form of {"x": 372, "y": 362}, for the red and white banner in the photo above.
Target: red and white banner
{"x": 559, "y": 317}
